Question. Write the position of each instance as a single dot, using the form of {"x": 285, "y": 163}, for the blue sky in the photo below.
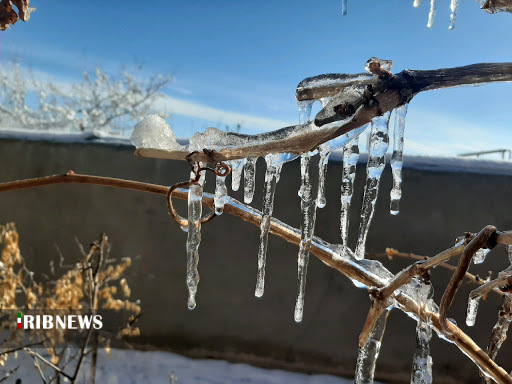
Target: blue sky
{"x": 240, "y": 61}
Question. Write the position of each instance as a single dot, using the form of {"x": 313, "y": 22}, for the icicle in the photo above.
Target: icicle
{"x": 397, "y": 159}
{"x": 416, "y": 3}
{"x": 308, "y": 208}
{"x": 195, "y": 208}
{"x": 344, "y": 7}
{"x": 453, "y": 7}
{"x": 379, "y": 141}
{"x": 249, "y": 179}
{"x": 305, "y": 107}
{"x": 350, "y": 158}
{"x": 324, "y": 101}
{"x": 221, "y": 194}
{"x": 472, "y": 310}
{"x": 237, "y": 166}
{"x": 421, "y": 372}
{"x": 274, "y": 164}
{"x": 324, "y": 151}
{"x": 367, "y": 356}
{"x": 432, "y": 13}
{"x": 479, "y": 256}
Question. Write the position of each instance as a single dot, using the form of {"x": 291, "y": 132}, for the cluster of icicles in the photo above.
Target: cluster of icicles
{"x": 454, "y": 5}
{"x": 310, "y": 200}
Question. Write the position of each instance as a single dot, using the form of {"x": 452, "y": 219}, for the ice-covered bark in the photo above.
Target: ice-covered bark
{"x": 499, "y": 332}
{"x": 397, "y": 159}
{"x": 367, "y": 355}
{"x": 379, "y": 141}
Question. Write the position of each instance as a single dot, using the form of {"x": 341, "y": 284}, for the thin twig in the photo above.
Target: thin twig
{"x": 469, "y": 251}
{"x": 475, "y": 279}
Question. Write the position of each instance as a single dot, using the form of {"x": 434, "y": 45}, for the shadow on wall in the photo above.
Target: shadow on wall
{"x": 441, "y": 200}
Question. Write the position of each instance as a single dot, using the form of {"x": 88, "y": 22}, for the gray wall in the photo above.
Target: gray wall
{"x": 229, "y": 322}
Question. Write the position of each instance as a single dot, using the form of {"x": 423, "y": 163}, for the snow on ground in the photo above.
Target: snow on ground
{"x": 131, "y": 367}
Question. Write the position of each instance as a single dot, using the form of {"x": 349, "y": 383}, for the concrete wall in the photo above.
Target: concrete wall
{"x": 229, "y": 321}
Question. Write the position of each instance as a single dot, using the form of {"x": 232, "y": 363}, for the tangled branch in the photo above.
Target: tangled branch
{"x": 363, "y": 271}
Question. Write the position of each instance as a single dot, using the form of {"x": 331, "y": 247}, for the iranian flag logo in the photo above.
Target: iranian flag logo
{"x": 19, "y": 320}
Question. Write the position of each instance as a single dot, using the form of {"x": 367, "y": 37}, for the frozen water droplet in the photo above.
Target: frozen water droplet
{"x": 324, "y": 151}
{"x": 237, "y": 166}
{"x": 344, "y": 7}
{"x": 432, "y": 13}
{"x": 397, "y": 159}
{"x": 379, "y": 141}
{"x": 249, "y": 179}
{"x": 472, "y": 311}
{"x": 454, "y": 5}
{"x": 305, "y": 107}
{"x": 479, "y": 256}
{"x": 221, "y": 194}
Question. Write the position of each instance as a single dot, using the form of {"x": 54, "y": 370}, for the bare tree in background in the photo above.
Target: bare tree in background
{"x": 99, "y": 101}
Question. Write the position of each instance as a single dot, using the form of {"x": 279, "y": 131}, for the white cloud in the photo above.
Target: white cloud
{"x": 188, "y": 108}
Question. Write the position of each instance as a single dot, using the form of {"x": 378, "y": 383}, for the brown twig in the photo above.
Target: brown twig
{"x": 475, "y": 279}
{"x": 320, "y": 249}
{"x": 376, "y": 310}
{"x": 473, "y": 246}
{"x": 504, "y": 279}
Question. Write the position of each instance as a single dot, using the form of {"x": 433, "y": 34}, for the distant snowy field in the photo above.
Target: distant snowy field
{"x": 131, "y": 367}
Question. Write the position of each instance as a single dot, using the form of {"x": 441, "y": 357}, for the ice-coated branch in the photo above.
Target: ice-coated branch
{"x": 417, "y": 269}
{"x": 367, "y": 272}
{"x": 390, "y": 253}
{"x": 479, "y": 241}
{"x": 504, "y": 279}
{"x": 495, "y": 6}
{"x": 356, "y": 100}
{"x": 499, "y": 332}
